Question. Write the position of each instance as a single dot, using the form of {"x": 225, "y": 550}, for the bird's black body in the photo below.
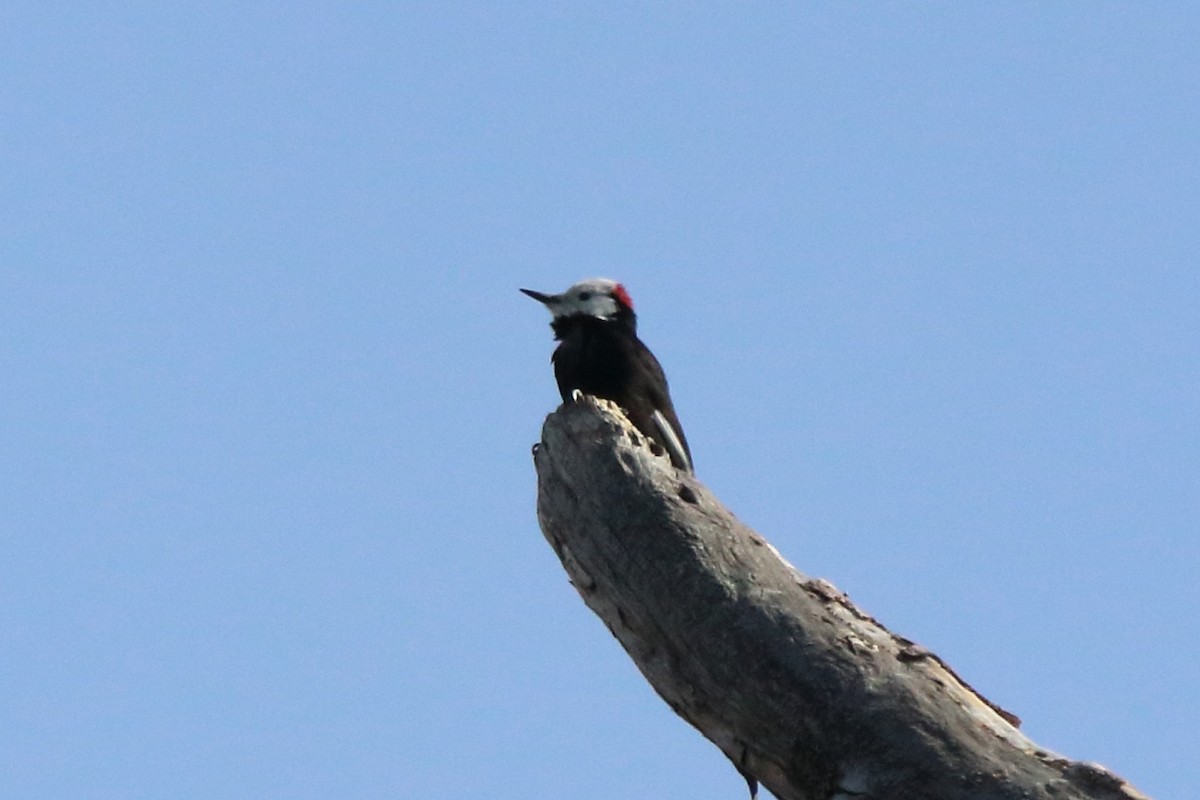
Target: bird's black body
{"x": 602, "y": 356}
{"x": 605, "y": 358}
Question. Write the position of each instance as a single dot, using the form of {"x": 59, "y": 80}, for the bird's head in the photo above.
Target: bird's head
{"x": 596, "y": 297}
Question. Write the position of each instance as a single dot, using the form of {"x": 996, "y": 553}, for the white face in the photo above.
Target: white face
{"x": 593, "y": 297}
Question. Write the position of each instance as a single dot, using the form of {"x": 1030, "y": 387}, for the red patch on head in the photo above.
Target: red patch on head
{"x": 622, "y": 296}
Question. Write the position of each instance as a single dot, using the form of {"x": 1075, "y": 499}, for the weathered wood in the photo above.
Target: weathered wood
{"x": 796, "y": 685}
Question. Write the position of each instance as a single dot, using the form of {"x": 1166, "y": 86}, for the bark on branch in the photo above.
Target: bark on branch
{"x": 796, "y": 685}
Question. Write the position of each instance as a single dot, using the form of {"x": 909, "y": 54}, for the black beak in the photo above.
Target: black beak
{"x": 544, "y": 299}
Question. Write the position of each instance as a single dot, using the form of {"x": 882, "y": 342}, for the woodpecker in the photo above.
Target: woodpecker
{"x": 600, "y": 354}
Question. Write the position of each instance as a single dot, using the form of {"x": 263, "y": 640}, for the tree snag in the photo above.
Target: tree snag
{"x": 800, "y": 689}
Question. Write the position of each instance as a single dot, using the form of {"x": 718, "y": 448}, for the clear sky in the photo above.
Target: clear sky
{"x": 923, "y": 276}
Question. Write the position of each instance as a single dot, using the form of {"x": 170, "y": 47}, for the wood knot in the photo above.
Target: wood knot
{"x": 913, "y": 652}
{"x": 825, "y": 590}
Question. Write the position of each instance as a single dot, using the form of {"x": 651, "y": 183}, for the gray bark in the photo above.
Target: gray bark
{"x": 802, "y": 690}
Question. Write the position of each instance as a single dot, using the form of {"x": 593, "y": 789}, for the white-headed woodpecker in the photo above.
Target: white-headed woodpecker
{"x": 600, "y": 354}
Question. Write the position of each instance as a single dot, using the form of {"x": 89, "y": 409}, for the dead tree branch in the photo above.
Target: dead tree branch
{"x": 797, "y": 686}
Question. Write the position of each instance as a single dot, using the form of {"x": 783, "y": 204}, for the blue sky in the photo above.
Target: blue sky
{"x": 923, "y": 277}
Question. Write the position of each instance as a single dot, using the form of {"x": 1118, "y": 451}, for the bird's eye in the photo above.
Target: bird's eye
{"x": 585, "y": 296}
